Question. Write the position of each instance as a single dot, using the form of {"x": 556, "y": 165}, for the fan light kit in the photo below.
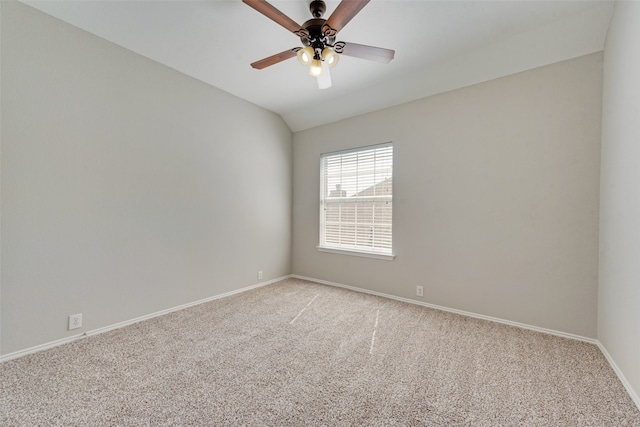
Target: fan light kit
{"x": 307, "y": 56}
{"x": 320, "y": 49}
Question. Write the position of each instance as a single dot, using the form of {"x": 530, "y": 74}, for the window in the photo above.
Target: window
{"x": 356, "y": 200}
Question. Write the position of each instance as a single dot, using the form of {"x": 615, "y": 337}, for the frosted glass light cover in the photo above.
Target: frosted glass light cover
{"x": 305, "y": 55}
{"x": 330, "y": 57}
{"x": 316, "y": 67}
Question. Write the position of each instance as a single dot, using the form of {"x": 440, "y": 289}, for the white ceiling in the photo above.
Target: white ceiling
{"x": 440, "y": 46}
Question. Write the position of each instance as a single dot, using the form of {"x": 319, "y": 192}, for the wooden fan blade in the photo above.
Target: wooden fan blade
{"x": 274, "y": 14}
{"x": 274, "y": 59}
{"x": 344, "y": 13}
{"x": 371, "y": 53}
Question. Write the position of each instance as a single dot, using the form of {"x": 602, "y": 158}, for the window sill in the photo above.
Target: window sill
{"x": 375, "y": 255}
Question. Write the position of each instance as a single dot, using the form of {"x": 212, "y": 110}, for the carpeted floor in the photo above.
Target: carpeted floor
{"x": 296, "y": 353}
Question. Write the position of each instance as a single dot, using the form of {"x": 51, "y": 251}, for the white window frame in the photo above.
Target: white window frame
{"x": 325, "y": 196}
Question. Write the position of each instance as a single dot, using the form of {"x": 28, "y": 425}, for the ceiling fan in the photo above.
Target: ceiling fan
{"x": 320, "y": 49}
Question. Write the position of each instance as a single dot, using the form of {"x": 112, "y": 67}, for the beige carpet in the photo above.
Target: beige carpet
{"x": 296, "y": 353}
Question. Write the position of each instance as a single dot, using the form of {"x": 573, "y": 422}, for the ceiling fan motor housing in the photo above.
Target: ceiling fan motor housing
{"x": 316, "y": 36}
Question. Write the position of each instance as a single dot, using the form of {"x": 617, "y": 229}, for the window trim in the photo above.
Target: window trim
{"x": 345, "y": 250}
{"x": 359, "y": 253}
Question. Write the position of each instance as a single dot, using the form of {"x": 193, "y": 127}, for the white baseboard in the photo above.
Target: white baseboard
{"x": 41, "y": 347}
{"x": 632, "y": 393}
{"x": 66, "y": 340}
{"x": 453, "y": 310}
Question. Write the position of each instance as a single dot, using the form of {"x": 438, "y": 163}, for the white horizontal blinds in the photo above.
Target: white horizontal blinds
{"x": 357, "y": 199}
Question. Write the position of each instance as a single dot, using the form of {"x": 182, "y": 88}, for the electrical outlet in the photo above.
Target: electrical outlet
{"x": 419, "y": 291}
{"x": 75, "y": 321}
{"x": 260, "y": 275}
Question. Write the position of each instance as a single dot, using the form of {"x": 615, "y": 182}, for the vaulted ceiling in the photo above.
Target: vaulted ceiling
{"x": 439, "y": 45}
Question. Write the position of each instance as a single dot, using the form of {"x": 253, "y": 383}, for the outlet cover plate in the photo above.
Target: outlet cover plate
{"x": 75, "y": 321}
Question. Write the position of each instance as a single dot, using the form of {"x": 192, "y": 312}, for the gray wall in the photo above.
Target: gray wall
{"x": 619, "y": 291}
{"x": 127, "y": 187}
{"x": 495, "y": 198}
